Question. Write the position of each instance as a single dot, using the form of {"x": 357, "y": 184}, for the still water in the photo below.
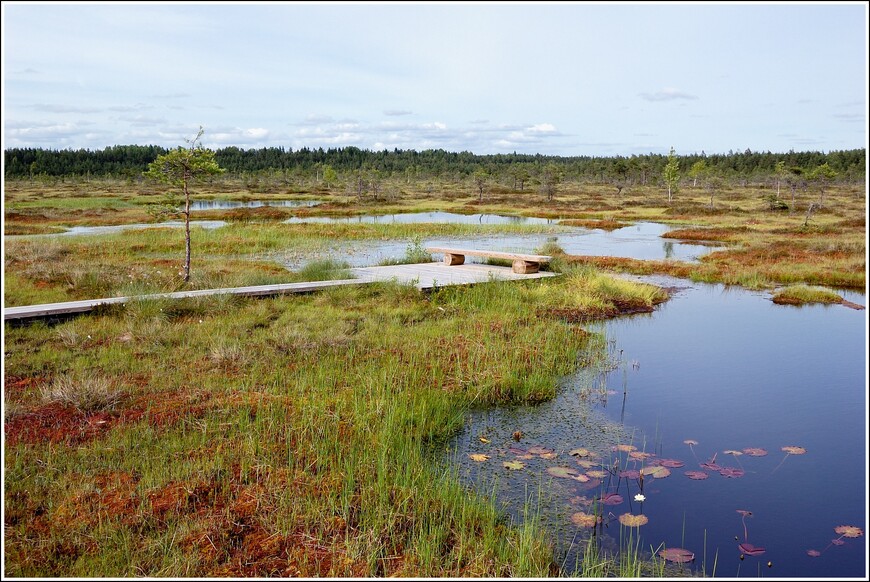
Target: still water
{"x": 425, "y": 217}
{"x": 731, "y": 371}
{"x": 230, "y": 204}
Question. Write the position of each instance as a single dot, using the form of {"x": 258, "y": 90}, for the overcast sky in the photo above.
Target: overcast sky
{"x": 566, "y": 79}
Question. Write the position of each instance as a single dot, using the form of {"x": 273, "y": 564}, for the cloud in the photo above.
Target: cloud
{"x": 850, "y": 117}
{"x": 49, "y": 108}
{"x": 142, "y": 120}
{"x": 27, "y": 71}
{"x": 170, "y": 96}
{"x": 668, "y": 94}
{"x": 397, "y": 112}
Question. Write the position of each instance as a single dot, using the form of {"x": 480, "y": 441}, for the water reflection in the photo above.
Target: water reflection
{"x": 426, "y": 217}
{"x": 230, "y": 204}
{"x": 728, "y": 370}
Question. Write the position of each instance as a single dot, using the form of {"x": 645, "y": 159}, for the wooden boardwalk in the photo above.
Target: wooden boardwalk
{"x": 422, "y": 276}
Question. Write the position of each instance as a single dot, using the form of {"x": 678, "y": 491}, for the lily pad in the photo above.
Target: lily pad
{"x": 697, "y": 475}
{"x": 711, "y": 466}
{"x": 814, "y": 553}
{"x": 794, "y": 450}
{"x": 849, "y": 531}
{"x": 670, "y": 463}
{"x": 629, "y": 520}
{"x": 625, "y": 448}
{"x": 656, "y": 471}
{"x": 690, "y": 442}
{"x": 513, "y": 465}
{"x": 630, "y": 474}
{"x": 563, "y": 472}
{"x": 597, "y": 474}
{"x": 751, "y": 550}
{"x": 538, "y": 450}
{"x": 755, "y": 452}
{"x": 838, "y": 542}
{"x": 586, "y": 464}
{"x": 548, "y": 456}
{"x": 611, "y": 499}
{"x": 483, "y": 439}
{"x": 639, "y": 455}
{"x": 479, "y": 457}
{"x": 677, "y": 555}
{"x": 731, "y": 472}
{"x": 585, "y": 520}
{"x": 581, "y": 453}
{"x": 732, "y": 452}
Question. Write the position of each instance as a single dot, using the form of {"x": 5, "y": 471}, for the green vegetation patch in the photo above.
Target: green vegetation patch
{"x": 803, "y": 294}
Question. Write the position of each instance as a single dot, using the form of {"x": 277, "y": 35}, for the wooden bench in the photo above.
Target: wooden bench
{"x": 522, "y": 264}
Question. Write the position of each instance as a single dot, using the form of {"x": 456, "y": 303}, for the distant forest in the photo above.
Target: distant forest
{"x": 131, "y": 160}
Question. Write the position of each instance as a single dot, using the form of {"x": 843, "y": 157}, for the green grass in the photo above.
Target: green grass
{"x": 304, "y": 427}
{"x": 803, "y": 294}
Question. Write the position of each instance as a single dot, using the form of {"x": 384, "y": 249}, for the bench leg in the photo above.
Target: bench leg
{"x": 451, "y": 259}
{"x": 525, "y": 267}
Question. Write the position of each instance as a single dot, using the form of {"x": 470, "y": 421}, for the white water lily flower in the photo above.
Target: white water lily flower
{"x": 639, "y": 497}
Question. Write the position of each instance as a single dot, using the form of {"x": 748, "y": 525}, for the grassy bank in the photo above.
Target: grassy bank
{"x": 292, "y": 436}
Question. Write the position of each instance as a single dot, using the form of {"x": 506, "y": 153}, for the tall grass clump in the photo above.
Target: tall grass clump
{"x": 804, "y": 294}
{"x": 85, "y": 393}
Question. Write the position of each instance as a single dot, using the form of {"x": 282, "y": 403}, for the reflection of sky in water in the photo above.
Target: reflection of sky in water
{"x": 639, "y": 241}
{"x": 731, "y": 370}
{"x": 425, "y": 217}
{"x": 87, "y": 230}
{"x": 230, "y": 204}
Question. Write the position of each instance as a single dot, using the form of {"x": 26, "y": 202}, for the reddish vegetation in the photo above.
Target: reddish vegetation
{"x": 58, "y": 423}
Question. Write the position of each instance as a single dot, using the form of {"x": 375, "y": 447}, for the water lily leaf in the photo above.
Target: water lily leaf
{"x": 548, "y": 456}
{"x": 639, "y": 455}
{"x": 563, "y": 472}
{"x": 697, "y": 475}
{"x": 581, "y": 452}
{"x": 630, "y": 474}
{"x": 744, "y": 512}
{"x": 814, "y": 553}
{"x": 586, "y": 464}
{"x": 537, "y": 450}
{"x": 755, "y": 452}
{"x": 838, "y": 542}
{"x": 629, "y": 520}
{"x": 479, "y": 457}
{"x": 518, "y": 451}
{"x": 484, "y": 440}
{"x": 690, "y": 442}
{"x": 711, "y": 466}
{"x": 732, "y": 452}
{"x": 677, "y": 555}
{"x": 611, "y": 499}
{"x": 656, "y": 471}
{"x": 513, "y": 465}
{"x": 794, "y": 450}
{"x": 585, "y": 520}
{"x": 625, "y": 448}
{"x": 849, "y": 531}
{"x": 582, "y": 478}
{"x": 597, "y": 474}
{"x": 731, "y": 472}
{"x": 670, "y": 463}
{"x": 751, "y": 550}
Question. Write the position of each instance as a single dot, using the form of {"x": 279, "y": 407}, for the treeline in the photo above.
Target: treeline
{"x": 131, "y": 160}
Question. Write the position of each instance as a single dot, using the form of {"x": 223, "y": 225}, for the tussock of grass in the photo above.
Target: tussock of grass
{"x": 86, "y": 393}
{"x": 803, "y": 294}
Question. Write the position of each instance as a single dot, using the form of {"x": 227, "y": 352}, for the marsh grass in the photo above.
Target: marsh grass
{"x": 87, "y": 393}
{"x": 803, "y": 295}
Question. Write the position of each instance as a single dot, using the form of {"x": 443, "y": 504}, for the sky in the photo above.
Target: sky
{"x": 551, "y": 78}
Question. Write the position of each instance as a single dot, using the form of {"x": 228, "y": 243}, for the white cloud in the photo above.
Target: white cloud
{"x": 668, "y": 94}
{"x": 397, "y": 112}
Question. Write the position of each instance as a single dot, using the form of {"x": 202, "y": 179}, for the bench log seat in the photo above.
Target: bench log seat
{"x": 521, "y": 263}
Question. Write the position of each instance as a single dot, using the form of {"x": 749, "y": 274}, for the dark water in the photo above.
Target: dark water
{"x": 729, "y": 369}
{"x": 230, "y": 204}
{"x": 425, "y": 217}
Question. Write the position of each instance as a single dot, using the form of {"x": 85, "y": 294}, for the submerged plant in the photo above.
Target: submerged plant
{"x": 845, "y": 531}
{"x": 745, "y": 547}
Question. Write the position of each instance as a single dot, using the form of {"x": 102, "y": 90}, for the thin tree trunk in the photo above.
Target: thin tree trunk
{"x": 186, "y": 232}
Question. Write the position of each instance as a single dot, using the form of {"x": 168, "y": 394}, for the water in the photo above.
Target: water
{"x": 729, "y": 369}
{"x": 91, "y": 230}
{"x": 638, "y": 241}
{"x": 426, "y": 217}
{"x": 230, "y": 204}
